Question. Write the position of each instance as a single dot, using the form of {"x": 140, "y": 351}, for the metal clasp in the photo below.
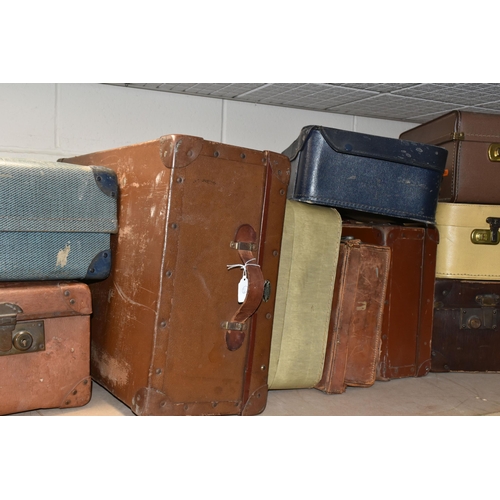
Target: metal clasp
{"x": 19, "y": 337}
{"x": 487, "y": 236}
{"x": 494, "y": 152}
{"x": 483, "y": 318}
{"x": 8, "y": 320}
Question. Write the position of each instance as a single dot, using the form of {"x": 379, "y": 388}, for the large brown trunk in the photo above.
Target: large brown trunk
{"x": 165, "y": 329}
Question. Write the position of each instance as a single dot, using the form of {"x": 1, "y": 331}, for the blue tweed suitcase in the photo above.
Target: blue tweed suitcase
{"x": 55, "y": 220}
{"x": 366, "y": 174}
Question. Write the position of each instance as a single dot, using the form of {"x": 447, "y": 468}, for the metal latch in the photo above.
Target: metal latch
{"x": 481, "y": 318}
{"x": 19, "y": 337}
{"x": 494, "y": 152}
{"x": 8, "y": 320}
{"x": 487, "y": 236}
{"x": 267, "y": 291}
{"x": 457, "y": 136}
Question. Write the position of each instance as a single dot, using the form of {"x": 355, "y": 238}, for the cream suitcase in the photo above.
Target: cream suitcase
{"x": 306, "y": 278}
{"x": 468, "y": 241}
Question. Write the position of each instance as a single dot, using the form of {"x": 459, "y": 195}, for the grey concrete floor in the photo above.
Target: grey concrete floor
{"x": 435, "y": 394}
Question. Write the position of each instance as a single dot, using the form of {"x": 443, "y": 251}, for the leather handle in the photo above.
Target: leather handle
{"x": 245, "y": 240}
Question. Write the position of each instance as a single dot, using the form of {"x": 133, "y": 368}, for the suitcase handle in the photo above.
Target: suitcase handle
{"x": 245, "y": 242}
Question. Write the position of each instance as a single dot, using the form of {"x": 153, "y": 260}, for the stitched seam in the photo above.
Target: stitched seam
{"x": 359, "y": 205}
{"x": 467, "y": 274}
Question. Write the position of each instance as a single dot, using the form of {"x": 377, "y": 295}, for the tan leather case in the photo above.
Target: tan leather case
{"x": 408, "y": 311}
{"x": 472, "y": 173}
{"x": 465, "y": 249}
{"x": 44, "y": 345}
{"x": 354, "y": 338}
{"x": 310, "y": 248}
{"x": 168, "y": 334}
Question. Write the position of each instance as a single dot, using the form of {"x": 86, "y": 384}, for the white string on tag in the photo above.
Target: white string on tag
{"x": 243, "y": 284}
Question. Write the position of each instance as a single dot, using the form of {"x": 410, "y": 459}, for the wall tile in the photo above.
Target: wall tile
{"x": 94, "y": 117}
{"x": 260, "y": 126}
{"x": 385, "y": 128}
{"x": 27, "y": 116}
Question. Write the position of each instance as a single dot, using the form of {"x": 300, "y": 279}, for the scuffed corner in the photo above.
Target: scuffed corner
{"x": 79, "y": 395}
{"x": 256, "y": 403}
{"x": 178, "y": 151}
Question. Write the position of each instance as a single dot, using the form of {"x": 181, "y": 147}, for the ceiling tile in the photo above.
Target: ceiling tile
{"x": 416, "y": 102}
{"x": 393, "y": 107}
{"x": 463, "y": 94}
{"x": 378, "y": 87}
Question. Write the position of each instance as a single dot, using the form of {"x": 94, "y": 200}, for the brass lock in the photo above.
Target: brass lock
{"x": 481, "y": 318}
{"x": 494, "y": 152}
{"x": 487, "y": 236}
{"x": 19, "y": 337}
{"x": 22, "y": 340}
{"x": 474, "y": 322}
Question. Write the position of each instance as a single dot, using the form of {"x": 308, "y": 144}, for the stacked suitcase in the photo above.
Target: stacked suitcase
{"x": 467, "y": 287}
{"x": 55, "y": 226}
{"x": 386, "y": 193}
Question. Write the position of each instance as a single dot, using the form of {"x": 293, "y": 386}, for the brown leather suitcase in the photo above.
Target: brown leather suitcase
{"x": 44, "y": 345}
{"x": 168, "y": 334}
{"x": 354, "y": 335}
{"x": 472, "y": 172}
{"x": 466, "y": 332}
{"x": 408, "y": 312}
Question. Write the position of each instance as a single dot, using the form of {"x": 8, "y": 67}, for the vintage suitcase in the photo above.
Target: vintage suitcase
{"x": 407, "y": 317}
{"x": 308, "y": 263}
{"x": 55, "y": 220}
{"x": 466, "y": 330}
{"x": 44, "y": 345}
{"x": 168, "y": 334}
{"x": 468, "y": 245}
{"x": 473, "y": 144}
{"x": 365, "y": 173}
{"x": 354, "y": 339}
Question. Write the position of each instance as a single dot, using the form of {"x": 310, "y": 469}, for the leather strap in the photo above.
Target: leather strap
{"x": 235, "y": 337}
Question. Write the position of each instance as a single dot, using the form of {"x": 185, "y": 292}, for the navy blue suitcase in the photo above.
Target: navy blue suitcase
{"x": 55, "y": 220}
{"x": 361, "y": 173}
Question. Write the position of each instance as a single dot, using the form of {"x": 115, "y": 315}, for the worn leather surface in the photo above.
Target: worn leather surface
{"x": 158, "y": 342}
{"x": 408, "y": 311}
{"x": 310, "y": 247}
{"x": 471, "y": 176}
{"x": 456, "y": 345}
{"x": 354, "y": 339}
{"x": 457, "y": 256}
{"x": 346, "y": 176}
{"x": 59, "y": 375}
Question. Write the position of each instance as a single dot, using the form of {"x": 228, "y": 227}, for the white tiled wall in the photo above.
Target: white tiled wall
{"x": 49, "y": 121}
